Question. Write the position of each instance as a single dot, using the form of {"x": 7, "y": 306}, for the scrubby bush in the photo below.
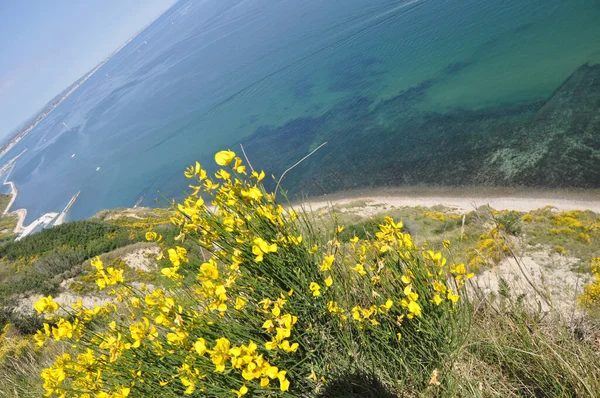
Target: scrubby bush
{"x": 363, "y": 230}
{"x": 272, "y": 309}
{"x": 510, "y": 222}
{"x": 40, "y": 262}
{"x": 89, "y": 236}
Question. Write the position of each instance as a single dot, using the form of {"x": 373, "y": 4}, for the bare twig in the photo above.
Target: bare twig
{"x": 573, "y": 371}
{"x": 574, "y": 302}
{"x": 524, "y": 273}
{"x": 296, "y": 164}
{"x": 245, "y": 156}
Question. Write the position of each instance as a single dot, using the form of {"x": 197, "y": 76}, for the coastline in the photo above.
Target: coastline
{"x": 69, "y": 90}
{"x": 20, "y": 213}
{"x": 463, "y": 199}
{"x": 367, "y": 202}
{"x": 14, "y": 192}
{"x": 47, "y": 219}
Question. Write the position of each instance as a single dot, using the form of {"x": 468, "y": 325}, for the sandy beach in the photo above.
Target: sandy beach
{"x": 466, "y": 199}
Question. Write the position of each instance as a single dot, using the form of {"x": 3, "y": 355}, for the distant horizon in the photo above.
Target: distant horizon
{"x": 47, "y": 57}
{"x": 24, "y": 123}
{"x": 19, "y": 127}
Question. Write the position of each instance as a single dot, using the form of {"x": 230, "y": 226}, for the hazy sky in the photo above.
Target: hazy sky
{"x": 45, "y": 45}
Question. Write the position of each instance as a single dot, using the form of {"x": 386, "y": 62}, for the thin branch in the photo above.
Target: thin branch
{"x": 524, "y": 273}
{"x": 573, "y": 371}
{"x": 247, "y": 160}
{"x": 574, "y": 302}
{"x": 296, "y": 164}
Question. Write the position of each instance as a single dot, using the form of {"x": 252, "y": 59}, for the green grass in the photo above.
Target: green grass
{"x": 512, "y": 352}
{"x": 508, "y": 351}
{"x": 516, "y": 353}
{"x": 38, "y": 264}
{"x": 539, "y": 232}
{"x": 7, "y": 222}
{"x": 4, "y": 200}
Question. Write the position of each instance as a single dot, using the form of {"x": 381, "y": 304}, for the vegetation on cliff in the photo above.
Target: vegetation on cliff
{"x": 253, "y": 298}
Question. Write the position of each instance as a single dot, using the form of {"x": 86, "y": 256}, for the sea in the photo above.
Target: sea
{"x": 208, "y": 75}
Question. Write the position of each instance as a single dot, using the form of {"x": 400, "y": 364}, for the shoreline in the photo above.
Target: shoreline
{"x": 20, "y": 213}
{"x": 463, "y": 199}
{"x": 14, "y": 192}
{"x": 44, "y": 220}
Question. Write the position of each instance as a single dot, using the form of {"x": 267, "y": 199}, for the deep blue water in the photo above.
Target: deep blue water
{"x": 209, "y": 73}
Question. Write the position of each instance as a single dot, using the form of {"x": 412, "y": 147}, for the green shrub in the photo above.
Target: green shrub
{"x": 510, "y": 222}
{"x": 261, "y": 303}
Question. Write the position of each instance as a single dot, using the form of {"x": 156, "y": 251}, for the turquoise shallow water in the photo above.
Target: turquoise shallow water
{"x": 209, "y": 74}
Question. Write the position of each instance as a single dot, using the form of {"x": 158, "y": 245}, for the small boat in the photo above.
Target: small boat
{"x": 98, "y": 168}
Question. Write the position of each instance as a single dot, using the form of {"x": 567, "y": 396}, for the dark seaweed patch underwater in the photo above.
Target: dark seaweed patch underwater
{"x": 354, "y": 73}
{"x": 552, "y": 143}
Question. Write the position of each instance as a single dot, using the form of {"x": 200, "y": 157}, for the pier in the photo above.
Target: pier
{"x": 61, "y": 217}
{"x": 37, "y": 225}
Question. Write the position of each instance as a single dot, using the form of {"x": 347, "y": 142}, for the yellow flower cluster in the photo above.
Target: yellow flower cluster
{"x": 260, "y": 248}
{"x": 527, "y": 218}
{"x": 439, "y": 216}
{"x": 567, "y": 219}
{"x": 108, "y": 277}
{"x": 427, "y": 270}
{"x": 259, "y": 312}
{"x": 575, "y": 223}
{"x": 489, "y": 250}
{"x": 590, "y": 298}
{"x": 45, "y": 304}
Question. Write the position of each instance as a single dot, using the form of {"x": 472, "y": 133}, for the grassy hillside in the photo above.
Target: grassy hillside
{"x": 39, "y": 263}
{"x": 252, "y": 298}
